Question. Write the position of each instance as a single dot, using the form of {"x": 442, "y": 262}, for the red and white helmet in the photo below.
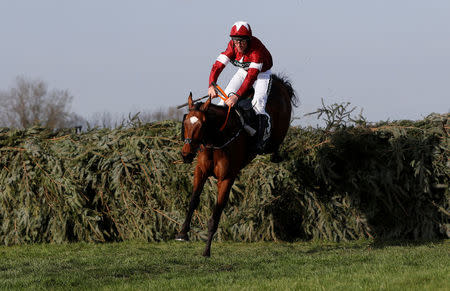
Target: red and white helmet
{"x": 241, "y": 29}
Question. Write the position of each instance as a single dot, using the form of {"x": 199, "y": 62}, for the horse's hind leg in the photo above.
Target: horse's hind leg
{"x": 273, "y": 149}
{"x": 199, "y": 181}
{"x": 276, "y": 157}
{"x": 224, "y": 188}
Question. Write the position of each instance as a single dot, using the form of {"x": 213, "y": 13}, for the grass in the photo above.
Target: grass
{"x": 233, "y": 266}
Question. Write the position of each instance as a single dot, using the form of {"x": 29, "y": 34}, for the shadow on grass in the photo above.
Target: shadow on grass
{"x": 380, "y": 244}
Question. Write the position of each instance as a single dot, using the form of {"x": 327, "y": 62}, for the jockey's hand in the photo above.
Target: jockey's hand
{"x": 212, "y": 92}
{"x": 232, "y": 100}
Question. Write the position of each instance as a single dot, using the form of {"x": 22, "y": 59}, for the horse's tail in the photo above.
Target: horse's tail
{"x": 287, "y": 84}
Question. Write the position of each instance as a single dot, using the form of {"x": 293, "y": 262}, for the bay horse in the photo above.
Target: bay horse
{"x": 223, "y": 154}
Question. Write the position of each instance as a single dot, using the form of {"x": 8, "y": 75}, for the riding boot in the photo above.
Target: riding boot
{"x": 263, "y": 133}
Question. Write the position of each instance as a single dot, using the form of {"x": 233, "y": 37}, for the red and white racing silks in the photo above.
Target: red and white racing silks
{"x": 254, "y": 60}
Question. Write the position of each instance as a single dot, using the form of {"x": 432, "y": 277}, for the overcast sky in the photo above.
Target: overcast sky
{"x": 389, "y": 57}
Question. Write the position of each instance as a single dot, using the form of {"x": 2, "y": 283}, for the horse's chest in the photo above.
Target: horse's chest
{"x": 221, "y": 169}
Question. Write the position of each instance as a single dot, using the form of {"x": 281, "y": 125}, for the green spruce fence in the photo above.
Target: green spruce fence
{"x": 346, "y": 182}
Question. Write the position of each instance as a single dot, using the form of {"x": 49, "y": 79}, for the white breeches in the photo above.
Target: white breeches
{"x": 261, "y": 87}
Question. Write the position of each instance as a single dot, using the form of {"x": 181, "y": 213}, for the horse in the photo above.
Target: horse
{"x": 223, "y": 154}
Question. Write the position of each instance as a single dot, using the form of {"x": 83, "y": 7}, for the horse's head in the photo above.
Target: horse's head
{"x": 194, "y": 129}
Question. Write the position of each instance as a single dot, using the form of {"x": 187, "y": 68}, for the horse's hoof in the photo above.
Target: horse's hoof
{"x": 182, "y": 237}
{"x": 207, "y": 252}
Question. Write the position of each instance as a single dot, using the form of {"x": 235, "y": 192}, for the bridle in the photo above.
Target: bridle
{"x": 202, "y": 142}
{"x": 226, "y": 143}
{"x": 224, "y": 97}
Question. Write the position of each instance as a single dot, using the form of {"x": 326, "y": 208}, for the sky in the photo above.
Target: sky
{"x": 390, "y": 58}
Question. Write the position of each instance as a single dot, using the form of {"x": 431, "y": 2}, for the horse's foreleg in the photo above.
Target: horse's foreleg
{"x": 199, "y": 181}
{"x": 224, "y": 188}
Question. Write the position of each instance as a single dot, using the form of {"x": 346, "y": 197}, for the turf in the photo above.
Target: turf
{"x": 137, "y": 265}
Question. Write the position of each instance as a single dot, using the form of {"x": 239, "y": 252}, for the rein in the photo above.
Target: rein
{"x": 241, "y": 119}
{"x": 225, "y": 144}
{"x": 224, "y": 97}
{"x": 203, "y": 143}
{"x": 226, "y": 119}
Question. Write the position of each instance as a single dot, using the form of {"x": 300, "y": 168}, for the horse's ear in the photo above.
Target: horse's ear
{"x": 205, "y": 106}
{"x": 190, "y": 103}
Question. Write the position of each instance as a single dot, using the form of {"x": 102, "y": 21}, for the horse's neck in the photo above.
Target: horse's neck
{"x": 213, "y": 116}
{"x": 216, "y": 117}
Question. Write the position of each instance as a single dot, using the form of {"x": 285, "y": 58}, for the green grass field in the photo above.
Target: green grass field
{"x": 232, "y": 266}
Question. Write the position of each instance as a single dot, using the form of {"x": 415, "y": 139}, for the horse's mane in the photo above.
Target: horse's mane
{"x": 215, "y": 116}
{"x": 287, "y": 84}
{"x": 213, "y": 111}
{"x": 212, "y": 106}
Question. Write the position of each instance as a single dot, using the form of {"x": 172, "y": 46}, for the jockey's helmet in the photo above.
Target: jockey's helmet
{"x": 241, "y": 30}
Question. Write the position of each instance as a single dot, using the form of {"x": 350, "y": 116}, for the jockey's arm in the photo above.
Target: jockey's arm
{"x": 232, "y": 100}
{"x": 212, "y": 92}
{"x": 222, "y": 60}
{"x": 249, "y": 80}
{"x": 252, "y": 75}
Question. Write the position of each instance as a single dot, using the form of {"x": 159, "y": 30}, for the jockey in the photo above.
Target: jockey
{"x": 254, "y": 62}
